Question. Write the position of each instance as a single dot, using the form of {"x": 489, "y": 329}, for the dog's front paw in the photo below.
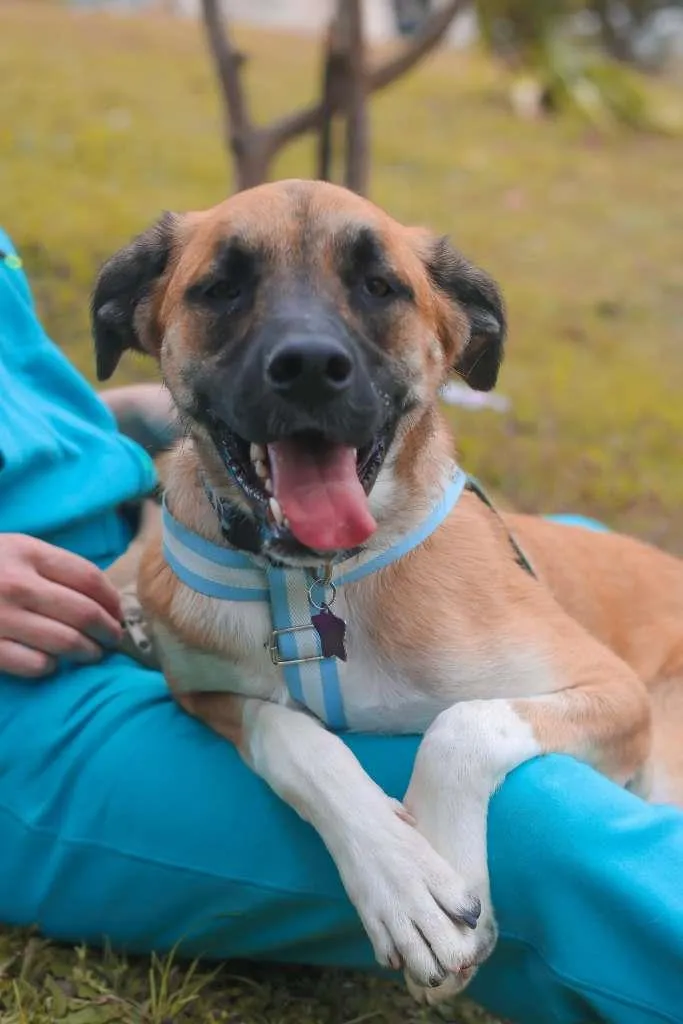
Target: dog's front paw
{"x": 484, "y": 943}
{"x": 416, "y": 910}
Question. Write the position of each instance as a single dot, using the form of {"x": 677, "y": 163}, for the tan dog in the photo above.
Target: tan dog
{"x": 304, "y": 335}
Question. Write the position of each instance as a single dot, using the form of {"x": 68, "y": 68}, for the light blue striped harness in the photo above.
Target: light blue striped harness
{"x": 294, "y": 595}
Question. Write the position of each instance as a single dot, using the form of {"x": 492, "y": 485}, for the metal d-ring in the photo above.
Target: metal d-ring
{"x": 323, "y": 581}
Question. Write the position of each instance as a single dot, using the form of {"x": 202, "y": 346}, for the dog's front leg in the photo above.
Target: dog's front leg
{"x": 412, "y": 903}
{"x": 470, "y": 748}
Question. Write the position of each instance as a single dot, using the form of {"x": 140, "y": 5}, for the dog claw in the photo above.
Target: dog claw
{"x": 471, "y": 917}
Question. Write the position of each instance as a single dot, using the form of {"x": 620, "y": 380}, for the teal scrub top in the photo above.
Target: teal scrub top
{"x": 64, "y": 467}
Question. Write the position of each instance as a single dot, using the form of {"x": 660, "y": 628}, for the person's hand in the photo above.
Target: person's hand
{"x": 146, "y": 413}
{"x": 52, "y": 604}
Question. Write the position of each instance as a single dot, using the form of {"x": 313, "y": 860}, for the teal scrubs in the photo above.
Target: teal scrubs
{"x": 123, "y": 818}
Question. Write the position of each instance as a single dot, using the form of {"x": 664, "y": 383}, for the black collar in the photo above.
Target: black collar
{"x": 522, "y": 560}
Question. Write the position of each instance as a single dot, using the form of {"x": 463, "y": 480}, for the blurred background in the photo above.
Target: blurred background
{"x": 544, "y": 136}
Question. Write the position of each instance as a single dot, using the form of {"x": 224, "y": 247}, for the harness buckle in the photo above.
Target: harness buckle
{"x": 274, "y": 647}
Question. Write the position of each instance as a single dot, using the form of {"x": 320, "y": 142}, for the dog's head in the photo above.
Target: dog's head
{"x": 303, "y": 334}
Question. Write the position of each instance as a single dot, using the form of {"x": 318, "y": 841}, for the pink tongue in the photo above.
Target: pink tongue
{"x": 320, "y": 494}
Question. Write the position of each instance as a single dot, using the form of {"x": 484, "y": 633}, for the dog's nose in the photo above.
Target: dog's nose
{"x": 309, "y": 369}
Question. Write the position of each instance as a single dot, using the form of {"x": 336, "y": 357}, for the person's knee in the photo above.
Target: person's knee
{"x": 537, "y": 809}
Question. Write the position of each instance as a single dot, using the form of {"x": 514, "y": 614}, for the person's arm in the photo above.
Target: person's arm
{"x": 146, "y": 414}
{"x": 53, "y": 604}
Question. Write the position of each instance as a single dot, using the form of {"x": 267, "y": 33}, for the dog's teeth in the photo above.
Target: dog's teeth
{"x": 285, "y": 522}
{"x": 257, "y": 453}
{"x": 277, "y": 511}
{"x": 261, "y": 469}
{"x": 268, "y": 484}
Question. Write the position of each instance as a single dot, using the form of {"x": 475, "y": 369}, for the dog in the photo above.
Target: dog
{"x": 325, "y": 562}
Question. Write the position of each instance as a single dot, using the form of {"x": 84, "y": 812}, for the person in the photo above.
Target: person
{"x": 122, "y": 818}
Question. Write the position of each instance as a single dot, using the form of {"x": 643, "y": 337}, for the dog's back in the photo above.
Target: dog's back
{"x": 629, "y": 595}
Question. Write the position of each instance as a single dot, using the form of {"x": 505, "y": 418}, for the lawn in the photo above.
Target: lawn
{"x": 108, "y": 120}
{"x": 45, "y": 984}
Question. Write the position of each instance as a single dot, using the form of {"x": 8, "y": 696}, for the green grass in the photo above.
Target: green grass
{"x": 46, "y": 984}
{"x": 105, "y": 121}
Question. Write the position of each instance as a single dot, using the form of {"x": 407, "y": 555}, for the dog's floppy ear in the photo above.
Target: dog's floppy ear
{"x": 122, "y": 315}
{"x": 478, "y": 362}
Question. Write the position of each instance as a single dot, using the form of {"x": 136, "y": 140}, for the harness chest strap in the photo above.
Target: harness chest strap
{"x": 295, "y": 595}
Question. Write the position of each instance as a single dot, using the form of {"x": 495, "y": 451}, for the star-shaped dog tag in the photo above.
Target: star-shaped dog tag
{"x": 332, "y": 632}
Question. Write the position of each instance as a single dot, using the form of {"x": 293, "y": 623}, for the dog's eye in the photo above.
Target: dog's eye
{"x": 377, "y": 287}
{"x": 223, "y": 291}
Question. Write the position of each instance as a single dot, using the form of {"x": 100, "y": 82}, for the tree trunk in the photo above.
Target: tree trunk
{"x": 356, "y": 172}
{"x": 253, "y": 156}
{"x": 334, "y": 82}
{"x": 347, "y": 85}
{"x": 344, "y": 91}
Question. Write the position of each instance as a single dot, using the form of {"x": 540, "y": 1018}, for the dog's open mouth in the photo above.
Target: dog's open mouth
{"x": 307, "y": 485}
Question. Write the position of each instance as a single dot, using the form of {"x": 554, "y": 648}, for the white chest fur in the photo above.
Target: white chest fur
{"x": 382, "y": 687}
{"x": 376, "y": 696}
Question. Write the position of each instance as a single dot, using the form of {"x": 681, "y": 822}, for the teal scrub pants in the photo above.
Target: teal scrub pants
{"x": 122, "y": 818}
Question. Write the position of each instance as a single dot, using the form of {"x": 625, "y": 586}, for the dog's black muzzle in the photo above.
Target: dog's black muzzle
{"x": 304, "y": 373}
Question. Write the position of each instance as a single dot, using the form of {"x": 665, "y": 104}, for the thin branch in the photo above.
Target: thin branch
{"x": 227, "y": 62}
{"x": 292, "y": 125}
{"x": 434, "y": 30}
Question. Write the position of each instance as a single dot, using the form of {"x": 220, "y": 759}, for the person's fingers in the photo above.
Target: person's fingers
{"x": 74, "y": 609}
{"x": 22, "y": 661}
{"x": 50, "y": 636}
{"x": 69, "y": 570}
